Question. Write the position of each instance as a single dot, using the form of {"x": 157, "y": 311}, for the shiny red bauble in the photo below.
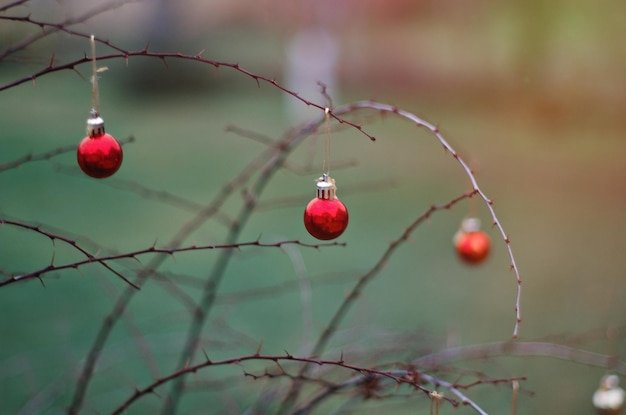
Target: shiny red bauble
{"x": 326, "y": 217}
{"x": 473, "y": 247}
{"x": 99, "y": 156}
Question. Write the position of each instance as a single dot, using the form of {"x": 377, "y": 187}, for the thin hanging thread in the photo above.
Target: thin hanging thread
{"x": 435, "y": 400}
{"x": 95, "y": 101}
{"x": 515, "y": 387}
{"x": 326, "y": 164}
{"x": 612, "y": 332}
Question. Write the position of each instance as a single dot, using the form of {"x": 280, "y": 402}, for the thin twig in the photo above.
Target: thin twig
{"x": 11, "y": 5}
{"x": 50, "y": 28}
{"x": 396, "y": 376}
{"x": 134, "y": 254}
{"x": 72, "y": 243}
{"x": 452, "y": 388}
{"x": 51, "y": 68}
{"x": 515, "y": 348}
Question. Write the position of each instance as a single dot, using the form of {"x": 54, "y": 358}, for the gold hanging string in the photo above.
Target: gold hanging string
{"x": 95, "y": 100}
{"x": 515, "y": 387}
{"x": 326, "y": 164}
{"x": 435, "y": 400}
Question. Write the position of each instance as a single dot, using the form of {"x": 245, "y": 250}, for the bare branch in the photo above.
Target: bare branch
{"x": 140, "y": 392}
{"x": 151, "y": 250}
{"x": 62, "y": 26}
{"x": 13, "y": 4}
{"x": 49, "y": 268}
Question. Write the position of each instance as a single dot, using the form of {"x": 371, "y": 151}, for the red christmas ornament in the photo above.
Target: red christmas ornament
{"x": 326, "y": 217}
{"x": 472, "y": 245}
{"x": 99, "y": 155}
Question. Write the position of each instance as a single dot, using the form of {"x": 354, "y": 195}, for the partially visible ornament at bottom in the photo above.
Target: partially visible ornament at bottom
{"x": 326, "y": 217}
{"x": 472, "y": 244}
{"x": 99, "y": 154}
{"x": 609, "y": 398}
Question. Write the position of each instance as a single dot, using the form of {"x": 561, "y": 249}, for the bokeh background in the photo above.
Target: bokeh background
{"x": 531, "y": 93}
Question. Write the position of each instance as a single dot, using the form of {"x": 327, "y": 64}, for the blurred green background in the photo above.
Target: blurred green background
{"x": 532, "y": 94}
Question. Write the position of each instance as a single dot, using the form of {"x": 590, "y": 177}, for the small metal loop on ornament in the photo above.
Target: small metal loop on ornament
{"x": 95, "y": 124}
{"x": 326, "y": 188}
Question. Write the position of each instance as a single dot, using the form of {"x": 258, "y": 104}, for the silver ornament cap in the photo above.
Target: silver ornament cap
{"x": 326, "y": 188}
{"x": 95, "y": 124}
{"x": 470, "y": 225}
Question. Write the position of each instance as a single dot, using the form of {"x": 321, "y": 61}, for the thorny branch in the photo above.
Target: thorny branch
{"x": 395, "y": 376}
{"x": 74, "y": 244}
{"x": 50, "y": 28}
{"x": 135, "y": 254}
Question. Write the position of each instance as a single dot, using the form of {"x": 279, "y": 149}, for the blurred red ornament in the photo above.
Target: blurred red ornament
{"x": 326, "y": 217}
{"x": 99, "y": 155}
{"x": 472, "y": 244}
